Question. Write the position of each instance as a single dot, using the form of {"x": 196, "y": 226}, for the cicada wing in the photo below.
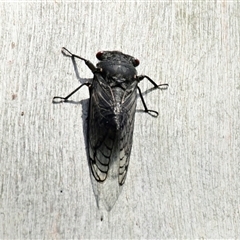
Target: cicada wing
{"x": 126, "y": 134}
{"x": 102, "y": 136}
{"x": 110, "y": 133}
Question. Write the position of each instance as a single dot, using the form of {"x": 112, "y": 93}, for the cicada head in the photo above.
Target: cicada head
{"x": 118, "y": 57}
{"x": 117, "y": 65}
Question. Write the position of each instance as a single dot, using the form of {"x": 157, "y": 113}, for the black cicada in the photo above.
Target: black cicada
{"x": 113, "y": 95}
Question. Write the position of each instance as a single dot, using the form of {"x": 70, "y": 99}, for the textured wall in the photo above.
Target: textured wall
{"x": 184, "y": 174}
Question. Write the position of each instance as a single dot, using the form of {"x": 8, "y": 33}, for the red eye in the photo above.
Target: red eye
{"x": 99, "y": 55}
{"x": 136, "y": 62}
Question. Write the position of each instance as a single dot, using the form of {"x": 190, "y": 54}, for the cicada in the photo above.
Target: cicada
{"x": 113, "y": 98}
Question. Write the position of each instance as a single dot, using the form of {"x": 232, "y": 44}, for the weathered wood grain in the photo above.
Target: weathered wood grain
{"x": 184, "y": 175}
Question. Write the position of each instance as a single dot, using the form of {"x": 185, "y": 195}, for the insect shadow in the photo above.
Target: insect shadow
{"x": 85, "y": 106}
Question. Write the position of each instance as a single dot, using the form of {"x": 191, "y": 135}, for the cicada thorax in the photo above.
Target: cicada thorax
{"x": 118, "y": 82}
{"x": 117, "y": 71}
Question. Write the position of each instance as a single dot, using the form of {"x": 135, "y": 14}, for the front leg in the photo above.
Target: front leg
{"x": 90, "y": 65}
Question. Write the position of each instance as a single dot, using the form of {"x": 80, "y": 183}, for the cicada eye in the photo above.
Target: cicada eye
{"x": 136, "y": 62}
{"x": 99, "y": 55}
